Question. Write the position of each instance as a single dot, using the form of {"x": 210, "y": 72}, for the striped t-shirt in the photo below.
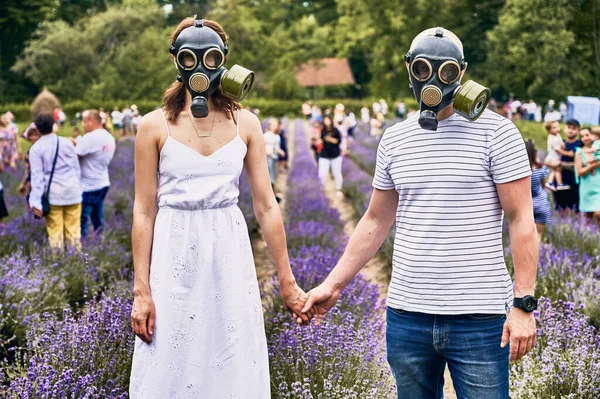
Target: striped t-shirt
{"x": 448, "y": 254}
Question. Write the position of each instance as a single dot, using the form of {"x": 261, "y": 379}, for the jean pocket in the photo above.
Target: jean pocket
{"x": 398, "y": 312}
{"x": 485, "y": 316}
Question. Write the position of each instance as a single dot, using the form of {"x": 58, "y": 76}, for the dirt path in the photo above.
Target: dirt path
{"x": 265, "y": 268}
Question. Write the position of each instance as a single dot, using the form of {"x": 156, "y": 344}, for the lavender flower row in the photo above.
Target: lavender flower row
{"x": 344, "y": 357}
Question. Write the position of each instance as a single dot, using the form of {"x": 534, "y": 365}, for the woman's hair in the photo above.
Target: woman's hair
{"x": 330, "y": 128}
{"x": 174, "y": 97}
{"x": 44, "y": 123}
{"x": 4, "y": 121}
{"x": 531, "y": 154}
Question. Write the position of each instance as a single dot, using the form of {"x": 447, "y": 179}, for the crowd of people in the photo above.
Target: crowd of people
{"x": 515, "y": 109}
{"x": 66, "y": 179}
{"x": 122, "y": 122}
{"x": 332, "y": 132}
{"x": 571, "y": 170}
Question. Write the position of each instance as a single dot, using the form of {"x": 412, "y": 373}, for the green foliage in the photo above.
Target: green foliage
{"x": 18, "y": 20}
{"x": 538, "y": 54}
{"x": 72, "y": 61}
{"x": 94, "y": 48}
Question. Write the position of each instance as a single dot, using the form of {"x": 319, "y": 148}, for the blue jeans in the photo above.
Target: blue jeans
{"x": 92, "y": 207}
{"x": 420, "y": 345}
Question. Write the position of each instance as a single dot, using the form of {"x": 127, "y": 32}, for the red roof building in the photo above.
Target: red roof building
{"x": 325, "y": 72}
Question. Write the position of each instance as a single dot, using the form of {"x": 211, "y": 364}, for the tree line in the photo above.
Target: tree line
{"x": 118, "y": 49}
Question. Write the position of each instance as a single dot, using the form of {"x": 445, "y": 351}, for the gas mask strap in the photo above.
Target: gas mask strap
{"x": 199, "y": 23}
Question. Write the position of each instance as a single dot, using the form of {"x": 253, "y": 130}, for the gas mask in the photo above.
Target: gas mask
{"x": 200, "y": 55}
{"x": 435, "y": 63}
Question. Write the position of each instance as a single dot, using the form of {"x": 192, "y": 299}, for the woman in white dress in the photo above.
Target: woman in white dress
{"x": 197, "y": 309}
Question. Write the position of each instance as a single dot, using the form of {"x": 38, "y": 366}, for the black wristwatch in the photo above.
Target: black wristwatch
{"x": 527, "y": 304}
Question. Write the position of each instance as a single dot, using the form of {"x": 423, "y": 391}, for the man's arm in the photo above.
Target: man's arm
{"x": 517, "y": 204}
{"x": 364, "y": 243}
{"x": 566, "y": 153}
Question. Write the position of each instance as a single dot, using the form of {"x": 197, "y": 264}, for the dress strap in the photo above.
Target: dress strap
{"x": 165, "y": 119}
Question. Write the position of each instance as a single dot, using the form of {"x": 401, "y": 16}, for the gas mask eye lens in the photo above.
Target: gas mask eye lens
{"x": 421, "y": 69}
{"x": 449, "y": 72}
{"x": 213, "y": 58}
{"x": 186, "y": 60}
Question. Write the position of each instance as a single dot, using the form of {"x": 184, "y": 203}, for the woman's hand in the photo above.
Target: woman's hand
{"x": 294, "y": 298}
{"x": 143, "y": 316}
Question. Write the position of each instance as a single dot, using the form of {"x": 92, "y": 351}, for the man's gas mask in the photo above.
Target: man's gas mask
{"x": 200, "y": 55}
{"x": 435, "y": 63}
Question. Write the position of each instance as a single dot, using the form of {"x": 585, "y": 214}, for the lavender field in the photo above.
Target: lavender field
{"x": 64, "y": 318}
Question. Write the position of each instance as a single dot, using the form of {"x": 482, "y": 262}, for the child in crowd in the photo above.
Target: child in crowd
{"x": 555, "y": 143}
{"x": 316, "y": 143}
{"x": 541, "y": 203}
{"x": 273, "y": 150}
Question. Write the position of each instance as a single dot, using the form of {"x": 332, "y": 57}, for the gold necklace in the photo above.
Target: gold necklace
{"x": 202, "y": 135}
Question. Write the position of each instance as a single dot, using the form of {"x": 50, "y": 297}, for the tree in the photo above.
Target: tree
{"x": 70, "y": 59}
{"x": 18, "y": 20}
{"x": 72, "y": 11}
{"x": 530, "y": 50}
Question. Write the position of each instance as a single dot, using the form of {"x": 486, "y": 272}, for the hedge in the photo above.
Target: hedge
{"x": 267, "y": 107}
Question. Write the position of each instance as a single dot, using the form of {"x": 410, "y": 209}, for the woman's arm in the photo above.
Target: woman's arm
{"x": 584, "y": 170}
{"x": 333, "y": 139}
{"x": 268, "y": 214}
{"x": 144, "y": 214}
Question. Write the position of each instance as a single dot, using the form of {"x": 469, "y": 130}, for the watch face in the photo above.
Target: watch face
{"x": 529, "y": 303}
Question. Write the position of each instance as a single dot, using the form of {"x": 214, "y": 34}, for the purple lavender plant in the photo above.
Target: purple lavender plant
{"x": 565, "y": 361}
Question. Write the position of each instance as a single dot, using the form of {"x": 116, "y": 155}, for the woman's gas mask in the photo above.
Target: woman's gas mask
{"x": 435, "y": 64}
{"x": 200, "y": 55}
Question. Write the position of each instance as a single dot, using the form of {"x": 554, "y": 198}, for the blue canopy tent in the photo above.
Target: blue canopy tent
{"x": 585, "y": 109}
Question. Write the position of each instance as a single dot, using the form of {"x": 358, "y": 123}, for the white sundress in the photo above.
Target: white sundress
{"x": 209, "y": 339}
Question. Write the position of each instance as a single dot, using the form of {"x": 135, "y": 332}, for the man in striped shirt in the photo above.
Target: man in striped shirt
{"x": 450, "y": 300}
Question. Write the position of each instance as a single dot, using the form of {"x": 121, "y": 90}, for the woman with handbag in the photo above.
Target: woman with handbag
{"x": 55, "y": 188}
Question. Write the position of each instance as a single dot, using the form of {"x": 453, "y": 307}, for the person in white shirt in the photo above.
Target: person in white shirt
{"x": 135, "y": 121}
{"x": 62, "y": 188}
{"x": 552, "y": 116}
{"x": 95, "y": 150}
{"x": 273, "y": 150}
{"x": 117, "y": 119}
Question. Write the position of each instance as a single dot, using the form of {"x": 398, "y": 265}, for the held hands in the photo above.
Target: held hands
{"x": 521, "y": 330}
{"x": 294, "y": 298}
{"x": 320, "y": 300}
{"x": 38, "y": 212}
{"x": 143, "y": 316}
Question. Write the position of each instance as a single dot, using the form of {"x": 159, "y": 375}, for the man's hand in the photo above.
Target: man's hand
{"x": 320, "y": 300}
{"x": 294, "y": 298}
{"x": 38, "y": 212}
{"x": 521, "y": 330}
